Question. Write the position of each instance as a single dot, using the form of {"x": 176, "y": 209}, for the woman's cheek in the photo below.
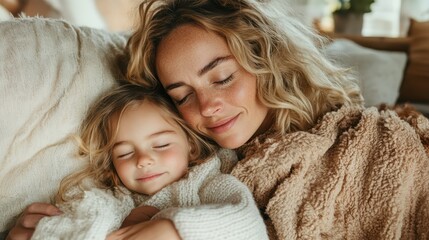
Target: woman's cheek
{"x": 191, "y": 117}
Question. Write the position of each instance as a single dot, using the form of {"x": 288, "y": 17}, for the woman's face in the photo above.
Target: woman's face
{"x": 214, "y": 94}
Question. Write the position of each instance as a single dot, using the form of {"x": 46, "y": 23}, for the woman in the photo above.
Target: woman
{"x": 318, "y": 164}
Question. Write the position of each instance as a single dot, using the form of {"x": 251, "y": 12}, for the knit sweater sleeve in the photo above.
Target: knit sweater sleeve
{"x": 98, "y": 213}
{"x": 226, "y": 211}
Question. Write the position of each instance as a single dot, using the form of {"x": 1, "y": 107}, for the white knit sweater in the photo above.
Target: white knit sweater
{"x": 207, "y": 204}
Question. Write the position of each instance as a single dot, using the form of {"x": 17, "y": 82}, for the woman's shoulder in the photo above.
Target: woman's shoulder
{"x": 228, "y": 159}
{"x": 343, "y": 122}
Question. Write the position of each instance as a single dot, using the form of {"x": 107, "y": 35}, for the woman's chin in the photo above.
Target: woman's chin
{"x": 231, "y": 142}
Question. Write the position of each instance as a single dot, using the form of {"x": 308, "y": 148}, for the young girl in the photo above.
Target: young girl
{"x": 141, "y": 152}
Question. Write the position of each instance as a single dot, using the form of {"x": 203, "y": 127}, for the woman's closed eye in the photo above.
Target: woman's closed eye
{"x": 221, "y": 83}
{"x": 226, "y": 80}
{"x": 183, "y": 99}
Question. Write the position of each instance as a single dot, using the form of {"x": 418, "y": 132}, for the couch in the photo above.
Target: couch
{"x": 51, "y": 71}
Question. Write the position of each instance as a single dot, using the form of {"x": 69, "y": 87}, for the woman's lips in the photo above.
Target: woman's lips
{"x": 223, "y": 126}
{"x": 149, "y": 177}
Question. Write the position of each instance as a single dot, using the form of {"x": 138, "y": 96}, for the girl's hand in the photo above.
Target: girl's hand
{"x": 26, "y": 223}
{"x": 138, "y": 215}
{"x": 159, "y": 229}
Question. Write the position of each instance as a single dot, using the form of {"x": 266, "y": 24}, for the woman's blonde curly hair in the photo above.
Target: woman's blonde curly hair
{"x": 295, "y": 79}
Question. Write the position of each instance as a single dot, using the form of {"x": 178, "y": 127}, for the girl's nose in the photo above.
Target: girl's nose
{"x": 144, "y": 160}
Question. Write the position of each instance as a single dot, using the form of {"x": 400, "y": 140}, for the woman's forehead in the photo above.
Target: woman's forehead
{"x": 186, "y": 51}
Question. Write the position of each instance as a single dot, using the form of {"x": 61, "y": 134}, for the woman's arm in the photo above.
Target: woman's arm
{"x": 224, "y": 209}
{"x": 159, "y": 229}
{"x": 138, "y": 215}
{"x": 26, "y": 223}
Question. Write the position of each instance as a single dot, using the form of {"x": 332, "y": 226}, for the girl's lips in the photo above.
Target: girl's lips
{"x": 224, "y": 126}
{"x": 149, "y": 177}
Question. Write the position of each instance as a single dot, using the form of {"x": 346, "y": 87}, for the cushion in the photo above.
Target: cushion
{"x": 50, "y": 72}
{"x": 415, "y": 87}
{"x": 379, "y": 72}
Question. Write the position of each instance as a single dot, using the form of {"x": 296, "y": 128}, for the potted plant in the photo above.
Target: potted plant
{"x": 348, "y": 15}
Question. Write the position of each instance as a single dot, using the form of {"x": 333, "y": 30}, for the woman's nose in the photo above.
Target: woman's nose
{"x": 144, "y": 160}
{"x": 209, "y": 104}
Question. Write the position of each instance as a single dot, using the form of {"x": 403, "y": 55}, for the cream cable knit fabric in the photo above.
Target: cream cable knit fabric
{"x": 205, "y": 205}
{"x": 358, "y": 174}
{"x": 93, "y": 217}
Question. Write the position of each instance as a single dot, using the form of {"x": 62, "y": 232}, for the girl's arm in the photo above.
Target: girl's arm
{"x": 26, "y": 223}
{"x": 92, "y": 216}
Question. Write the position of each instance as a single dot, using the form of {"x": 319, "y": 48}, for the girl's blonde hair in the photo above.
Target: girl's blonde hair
{"x": 98, "y": 133}
{"x": 295, "y": 79}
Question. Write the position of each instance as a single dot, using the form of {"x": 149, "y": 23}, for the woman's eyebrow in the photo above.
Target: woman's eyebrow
{"x": 173, "y": 86}
{"x": 212, "y": 64}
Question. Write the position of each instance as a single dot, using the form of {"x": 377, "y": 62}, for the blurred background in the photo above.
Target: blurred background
{"x": 389, "y": 18}
{"x": 111, "y": 15}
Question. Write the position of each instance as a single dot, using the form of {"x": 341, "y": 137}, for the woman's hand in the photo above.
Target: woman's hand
{"x": 159, "y": 229}
{"x": 138, "y": 215}
{"x": 26, "y": 223}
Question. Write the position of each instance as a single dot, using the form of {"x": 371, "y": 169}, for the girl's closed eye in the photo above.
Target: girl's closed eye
{"x": 162, "y": 146}
{"x": 124, "y": 155}
{"x": 123, "y": 151}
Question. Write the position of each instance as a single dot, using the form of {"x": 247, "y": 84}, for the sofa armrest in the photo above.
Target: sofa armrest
{"x": 399, "y": 44}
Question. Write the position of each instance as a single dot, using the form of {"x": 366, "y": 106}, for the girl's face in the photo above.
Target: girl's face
{"x": 213, "y": 93}
{"x": 149, "y": 152}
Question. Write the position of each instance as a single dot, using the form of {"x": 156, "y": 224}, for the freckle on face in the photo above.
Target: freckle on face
{"x": 176, "y": 62}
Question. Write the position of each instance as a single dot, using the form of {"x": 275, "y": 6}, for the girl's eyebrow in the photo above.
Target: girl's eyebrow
{"x": 162, "y": 132}
{"x": 117, "y": 144}
{"x": 212, "y": 64}
{"x": 151, "y": 135}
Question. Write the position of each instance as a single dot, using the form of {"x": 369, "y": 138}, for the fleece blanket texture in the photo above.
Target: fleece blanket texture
{"x": 50, "y": 73}
{"x": 358, "y": 174}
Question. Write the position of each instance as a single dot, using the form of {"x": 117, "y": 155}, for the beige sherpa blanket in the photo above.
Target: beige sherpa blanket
{"x": 358, "y": 174}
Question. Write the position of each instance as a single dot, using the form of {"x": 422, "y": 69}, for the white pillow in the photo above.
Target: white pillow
{"x": 379, "y": 72}
{"x": 50, "y": 72}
